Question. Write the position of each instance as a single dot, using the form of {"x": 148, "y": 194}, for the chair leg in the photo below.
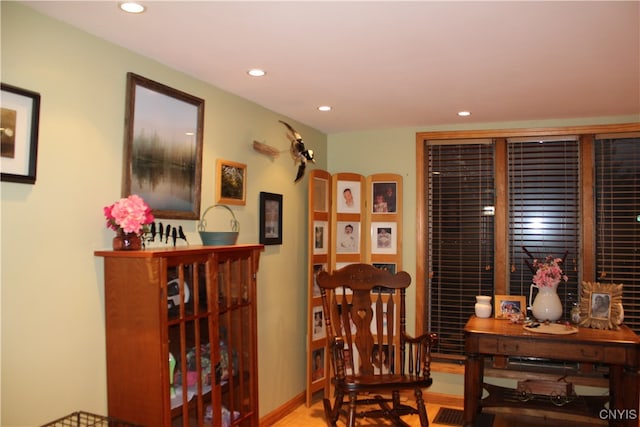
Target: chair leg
{"x": 333, "y": 413}
{"x": 422, "y": 410}
{"x": 390, "y": 413}
{"x": 328, "y": 413}
{"x": 351, "y": 421}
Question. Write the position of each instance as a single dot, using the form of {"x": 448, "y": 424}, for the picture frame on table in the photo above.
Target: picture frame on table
{"x": 231, "y": 178}
{"x": 508, "y": 305}
{"x": 163, "y": 148}
{"x": 270, "y": 218}
{"x": 19, "y": 127}
{"x": 601, "y": 305}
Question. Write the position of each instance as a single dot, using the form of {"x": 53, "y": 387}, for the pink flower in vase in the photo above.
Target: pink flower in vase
{"x": 130, "y": 214}
{"x": 548, "y": 273}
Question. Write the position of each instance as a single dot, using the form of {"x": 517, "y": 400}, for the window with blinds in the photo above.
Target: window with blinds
{"x": 617, "y": 179}
{"x": 544, "y": 212}
{"x": 460, "y": 206}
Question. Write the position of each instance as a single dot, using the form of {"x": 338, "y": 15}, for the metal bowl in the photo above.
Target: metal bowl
{"x": 219, "y": 238}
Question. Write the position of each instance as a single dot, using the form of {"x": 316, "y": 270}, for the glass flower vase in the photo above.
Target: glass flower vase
{"x": 127, "y": 241}
{"x": 547, "y": 305}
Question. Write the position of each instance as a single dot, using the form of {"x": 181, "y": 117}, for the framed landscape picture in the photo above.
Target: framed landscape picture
{"x": 163, "y": 148}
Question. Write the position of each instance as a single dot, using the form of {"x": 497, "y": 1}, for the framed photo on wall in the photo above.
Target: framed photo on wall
{"x": 231, "y": 185}
{"x": 270, "y": 218}
{"x": 19, "y": 124}
{"x": 163, "y": 148}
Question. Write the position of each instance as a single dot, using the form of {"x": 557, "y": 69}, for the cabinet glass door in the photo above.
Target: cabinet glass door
{"x": 237, "y": 337}
{"x": 190, "y": 362}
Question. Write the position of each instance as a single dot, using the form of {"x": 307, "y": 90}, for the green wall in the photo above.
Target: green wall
{"x": 52, "y": 295}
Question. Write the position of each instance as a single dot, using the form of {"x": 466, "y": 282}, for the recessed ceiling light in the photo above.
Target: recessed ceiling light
{"x": 464, "y": 113}
{"x": 256, "y": 72}
{"x": 132, "y": 7}
{"x": 324, "y": 108}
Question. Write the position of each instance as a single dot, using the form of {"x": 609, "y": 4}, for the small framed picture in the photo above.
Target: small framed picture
{"x": 390, "y": 267}
{"x": 19, "y": 123}
{"x": 321, "y": 194}
{"x": 270, "y": 218}
{"x": 318, "y": 364}
{"x": 601, "y": 305}
{"x": 348, "y": 196}
{"x": 321, "y": 237}
{"x": 348, "y": 237}
{"x": 384, "y": 197}
{"x": 232, "y": 182}
{"x": 510, "y": 305}
{"x": 318, "y": 323}
{"x": 317, "y": 268}
{"x": 384, "y": 238}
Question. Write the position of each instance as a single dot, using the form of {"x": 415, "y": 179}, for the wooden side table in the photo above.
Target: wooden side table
{"x": 620, "y": 350}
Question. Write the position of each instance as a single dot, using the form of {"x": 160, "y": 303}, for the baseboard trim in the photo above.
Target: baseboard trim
{"x": 282, "y": 411}
{"x": 443, "y": 399}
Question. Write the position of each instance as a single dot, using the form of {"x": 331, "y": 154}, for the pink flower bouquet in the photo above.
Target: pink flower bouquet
{"x": 130, "y": 214}
{"x": 548, "y": 273}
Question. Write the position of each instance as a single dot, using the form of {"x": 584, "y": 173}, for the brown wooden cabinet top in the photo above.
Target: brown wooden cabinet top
{"x": 175, "y": 251}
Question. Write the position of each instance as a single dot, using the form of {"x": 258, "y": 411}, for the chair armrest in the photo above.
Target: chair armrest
{"x": 428, "y": 338}
{"x": 417, "y": 351}
{"x": 336, "y": 348}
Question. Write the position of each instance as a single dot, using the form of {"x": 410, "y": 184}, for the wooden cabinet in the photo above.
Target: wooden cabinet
{"x": 181, "y": 335}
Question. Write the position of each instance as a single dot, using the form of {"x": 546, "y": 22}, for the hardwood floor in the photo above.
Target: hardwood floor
{"x": 313, "y": 416}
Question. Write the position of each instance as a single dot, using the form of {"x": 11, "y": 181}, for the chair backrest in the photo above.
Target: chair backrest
{"x": 364, "y": 313}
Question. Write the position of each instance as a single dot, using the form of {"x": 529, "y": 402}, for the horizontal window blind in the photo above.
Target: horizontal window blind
{"x": 460, "y": 183}
{"x": 617, "y": 177}
{"x": 544, "y": 214}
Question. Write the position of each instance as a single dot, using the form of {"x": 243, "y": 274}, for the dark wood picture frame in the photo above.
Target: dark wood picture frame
{"x": 270, "y": 218}
{"x": 19, "y": 125}
{"x": 163, "y": 148}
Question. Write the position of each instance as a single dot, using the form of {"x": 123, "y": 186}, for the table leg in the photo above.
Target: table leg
{"x": 473, "y": 378}
{"x": 624, "y": 392}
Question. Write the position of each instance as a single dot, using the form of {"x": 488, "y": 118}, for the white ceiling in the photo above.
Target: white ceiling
{"x": 391, "y": 64}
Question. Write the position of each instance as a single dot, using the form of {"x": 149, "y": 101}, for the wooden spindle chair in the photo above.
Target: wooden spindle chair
{"x": 363, "y": 331}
